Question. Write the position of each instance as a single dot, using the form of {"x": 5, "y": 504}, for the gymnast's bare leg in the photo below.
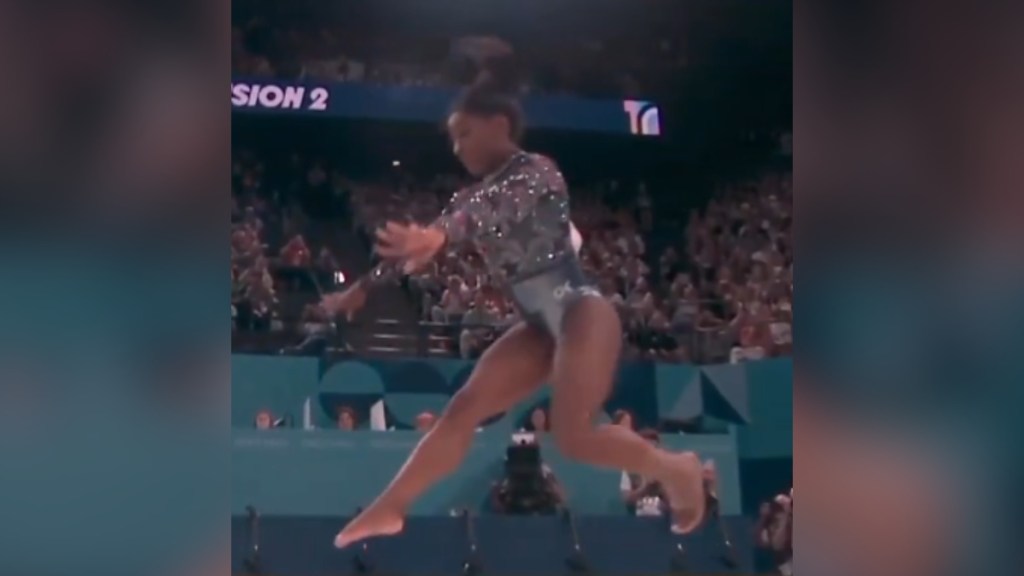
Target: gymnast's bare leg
{"x": 586, "y": 360}
{"x": 510, "y": 371}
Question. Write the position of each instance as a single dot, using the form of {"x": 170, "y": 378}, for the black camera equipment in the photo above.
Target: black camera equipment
{"x": 472, "y": 566}
{"x": 576, "y": 561}
{"x": 252, "y": 563}
{"x": 526, "y": 488}
{"x": 362, "y": 562}
{"x": 677, "y": 562}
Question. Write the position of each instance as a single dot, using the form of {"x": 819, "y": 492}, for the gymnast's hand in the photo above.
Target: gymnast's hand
{"x": 346, "y": 302}
{"x": 413, "y": 245}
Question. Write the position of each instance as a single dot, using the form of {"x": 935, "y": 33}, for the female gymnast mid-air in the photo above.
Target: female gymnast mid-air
{"x": 518, "y": 215}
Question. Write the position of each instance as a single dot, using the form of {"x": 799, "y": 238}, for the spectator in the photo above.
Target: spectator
{"x": 623, "y": 418}
{"x": 640, "y": 302}
{"x": 425, "y": 421}
{"x": 609, "y": 291}
{"x": 538, "y": 421}
{"x": 478, "y": 325}
{"x": 295, "y": 253}
{"x": 253, "y": 286}
{"x": 748, "y": 348}
{"x": 453, "y": 302}
{"x": 264, "y": 420}
{"x": 684, "y": 317}
{"x": 346, "y": 419}
{"x": 781, "y": 327}
{"x": 710, "y": 472}
{"x": 657, "y": 335}
{"x": 326, "y": 261}
{"x": 642, "y": 496}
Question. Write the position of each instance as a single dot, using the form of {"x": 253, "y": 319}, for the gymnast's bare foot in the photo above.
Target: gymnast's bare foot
{"x": 377, "y": 520}
{"x": 684, "y": 486}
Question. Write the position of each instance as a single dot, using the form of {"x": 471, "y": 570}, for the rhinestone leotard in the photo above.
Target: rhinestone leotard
{"x": 518, "y": 219}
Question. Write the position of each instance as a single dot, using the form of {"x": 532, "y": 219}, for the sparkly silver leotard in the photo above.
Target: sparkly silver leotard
{"x": 518, "y": 219}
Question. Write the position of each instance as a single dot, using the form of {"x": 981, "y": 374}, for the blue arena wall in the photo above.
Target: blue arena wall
{"x": 757, "y": 396}
{"x": 325, "y": 472}
{"x": 317, "y": 473}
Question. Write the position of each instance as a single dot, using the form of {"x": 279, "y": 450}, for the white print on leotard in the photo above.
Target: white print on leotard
{"x": 566, "y": 289}
{"x": 562, "y": 291}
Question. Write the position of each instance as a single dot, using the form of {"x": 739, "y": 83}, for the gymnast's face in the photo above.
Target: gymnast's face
{"x": 478, "y": 140}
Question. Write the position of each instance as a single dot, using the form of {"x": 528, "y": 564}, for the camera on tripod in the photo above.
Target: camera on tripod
{"x": 528, "y": 486}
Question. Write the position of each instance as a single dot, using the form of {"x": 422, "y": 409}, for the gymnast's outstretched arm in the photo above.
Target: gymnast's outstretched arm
{"x": 415, "y": 244}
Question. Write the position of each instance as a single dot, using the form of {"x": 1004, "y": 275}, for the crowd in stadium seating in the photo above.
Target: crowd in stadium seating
{"x": 722, "y": 291}
{"x": 266, "y": 237}
{"x": 557, "y": 65}
{"x": 719, "y": 291}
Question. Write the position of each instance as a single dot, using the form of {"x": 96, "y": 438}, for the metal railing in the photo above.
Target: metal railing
{"x": 700, "y": 345}
{"x": 287, "y": 331}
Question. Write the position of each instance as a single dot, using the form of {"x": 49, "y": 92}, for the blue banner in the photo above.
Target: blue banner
{"x": 757, "y": 397}
{"x": 331, "y": 473}
{"x": 364, "y": 101}
{"x": 296, "y": 472}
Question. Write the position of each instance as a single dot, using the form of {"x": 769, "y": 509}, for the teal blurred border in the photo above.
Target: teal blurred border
{"x": 114, "y": 442}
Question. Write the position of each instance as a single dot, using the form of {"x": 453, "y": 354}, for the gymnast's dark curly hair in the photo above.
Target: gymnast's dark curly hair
{"x": 494, "y": 88}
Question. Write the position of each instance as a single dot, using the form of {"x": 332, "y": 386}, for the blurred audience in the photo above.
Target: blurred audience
{"x": 718, "y": 290}
{"x": 312, "y": 50}
{"x": 269, "y": 251}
